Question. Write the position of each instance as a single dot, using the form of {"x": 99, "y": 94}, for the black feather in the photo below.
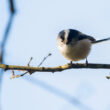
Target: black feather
{"x": 72, "y": 34}
{"x": 81, "y": 37}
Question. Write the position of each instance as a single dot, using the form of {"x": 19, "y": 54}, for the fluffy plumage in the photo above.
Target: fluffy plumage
{"x": 74, "y": 45}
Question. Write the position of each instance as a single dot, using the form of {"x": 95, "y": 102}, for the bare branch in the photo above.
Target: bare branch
{"x": 6, "y": 37}
{"x": 55, "y": 69}
{"x": 12, "y": 6}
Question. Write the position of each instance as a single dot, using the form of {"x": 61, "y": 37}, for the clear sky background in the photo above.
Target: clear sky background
{"x": 33, "y": 34}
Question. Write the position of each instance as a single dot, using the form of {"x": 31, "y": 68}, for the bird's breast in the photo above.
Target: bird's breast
{"x": 75, "y": 52}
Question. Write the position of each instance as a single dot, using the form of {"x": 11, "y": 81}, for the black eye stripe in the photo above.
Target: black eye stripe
{"x": 61, "y": 35}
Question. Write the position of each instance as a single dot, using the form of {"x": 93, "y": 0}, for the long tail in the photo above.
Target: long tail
{"x": 98, "y": 41}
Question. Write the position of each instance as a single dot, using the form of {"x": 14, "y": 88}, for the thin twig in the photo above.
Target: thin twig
{"x": 17, "y": 76}
{"x": 29, "y": 61}
{"x": 44, "y": 59}
{"x": 30, "y": 72}
{"x": 23, "y": 74}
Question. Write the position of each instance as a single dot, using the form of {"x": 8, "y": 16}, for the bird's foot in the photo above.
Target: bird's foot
{"x": 70, "y": 63}
{"x": 86, "y": 64}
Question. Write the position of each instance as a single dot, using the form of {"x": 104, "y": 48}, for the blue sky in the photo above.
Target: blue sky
{"x": 34, "y": 33}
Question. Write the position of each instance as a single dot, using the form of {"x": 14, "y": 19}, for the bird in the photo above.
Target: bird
{"x": 75, "y": 45}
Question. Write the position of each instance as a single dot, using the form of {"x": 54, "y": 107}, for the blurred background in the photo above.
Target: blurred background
{"x": 29, "y": 28}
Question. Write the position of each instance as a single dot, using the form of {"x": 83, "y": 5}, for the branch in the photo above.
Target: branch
{"x": 44, "y": 59}
{"x": 54, "y": 69}
{"x": 5, "y": 38}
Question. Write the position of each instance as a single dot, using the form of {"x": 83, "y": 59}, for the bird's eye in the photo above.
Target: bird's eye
{"x": 62, "y": 38}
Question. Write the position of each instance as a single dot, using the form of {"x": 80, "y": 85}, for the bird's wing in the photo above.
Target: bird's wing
{"x": 81, "y": 37}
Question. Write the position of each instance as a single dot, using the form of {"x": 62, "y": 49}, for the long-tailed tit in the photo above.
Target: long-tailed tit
{"x": 74, "y": 45}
